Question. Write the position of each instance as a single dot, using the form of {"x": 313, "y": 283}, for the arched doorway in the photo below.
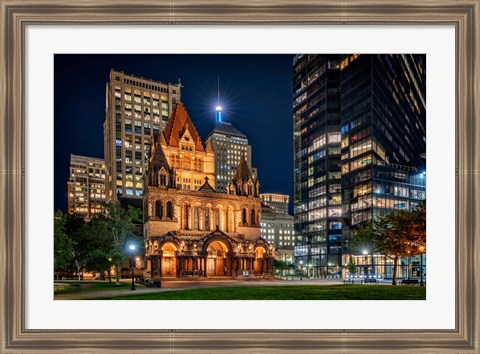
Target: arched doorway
{"x": 217, "y": 259}
{"x": 260, "y": 258}
{"x": 169, "y": 263}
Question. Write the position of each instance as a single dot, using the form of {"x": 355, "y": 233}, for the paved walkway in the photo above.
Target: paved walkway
{"x": 174, "y": 285}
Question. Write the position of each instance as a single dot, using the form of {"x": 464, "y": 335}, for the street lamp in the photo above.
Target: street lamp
{"x": 365, "y": 253}
{"x": 132, "y": 262}
{"x": 422, "y": 250}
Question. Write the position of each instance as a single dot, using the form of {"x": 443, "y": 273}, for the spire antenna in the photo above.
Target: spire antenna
{"x": 218, "y": 109}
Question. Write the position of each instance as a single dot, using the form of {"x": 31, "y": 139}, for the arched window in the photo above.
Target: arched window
{"x": 187, "y": 217}
{"x": 244, "y": 216}
{"x": 196, "y": 213}
{"x": 163, "y": 180}
{"x": 217, "y": 217}
{"x": 207, "y": 219}
{"x": 169, "y": 210}
{"x": 252, "y": 217}
{"x": 158, "y": 209}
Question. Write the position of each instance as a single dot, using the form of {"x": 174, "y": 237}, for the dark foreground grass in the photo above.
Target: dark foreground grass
{"x": 305, "y": 292}
{"x": 80, "y": 286}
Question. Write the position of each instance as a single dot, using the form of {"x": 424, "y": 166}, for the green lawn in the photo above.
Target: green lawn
{"x": 80, "y": 286}
{"x": 305, "y": 292}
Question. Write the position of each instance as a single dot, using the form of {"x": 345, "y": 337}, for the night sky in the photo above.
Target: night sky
{"x": 255, "y": 93}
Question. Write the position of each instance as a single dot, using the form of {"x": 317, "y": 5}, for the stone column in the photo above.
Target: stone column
{"x": 178, "y": 265}
{"x": 159, "y": 262}
{"x": 208, "y": 218}
{"x": 228, "y": 225}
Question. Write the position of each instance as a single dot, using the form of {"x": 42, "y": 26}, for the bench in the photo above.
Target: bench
{"x": 349, "y": 281}
{"x": 153, "y": 283}
{"x": 369, "y": 281}
{"x": 410, "y": 282}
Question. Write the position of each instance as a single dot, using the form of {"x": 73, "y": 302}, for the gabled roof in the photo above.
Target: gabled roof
{"x": 178, "y": 122}
{"x": 206, "y": 187}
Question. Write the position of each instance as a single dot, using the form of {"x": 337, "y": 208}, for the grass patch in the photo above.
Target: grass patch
{"x": 305, "y": 292}
{"x": 81, "y": 286}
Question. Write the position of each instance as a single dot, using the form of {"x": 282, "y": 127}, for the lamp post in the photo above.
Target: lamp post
{"x": 132, "y": 262}
{"x": 365, "y": 253}
{"x": 422, "y": 250}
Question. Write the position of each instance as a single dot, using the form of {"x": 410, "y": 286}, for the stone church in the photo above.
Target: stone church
{"x": 189, "y": 228}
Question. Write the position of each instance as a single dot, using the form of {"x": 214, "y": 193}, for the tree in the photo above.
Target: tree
{"x": 120, "y": 225}
{"x": 98, "y": 257}
{"x": 351, "y": 266}
{"x": 74, "y": 229}
{"x": 63, "y": 248}
{"x": 84, "y": 239}
{"x": 396, "y": 235}
{"x": 97, "y": 261}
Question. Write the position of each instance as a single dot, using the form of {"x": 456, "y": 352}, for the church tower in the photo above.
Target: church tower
{"x": 244, "y": 183}
{"x": 185, "y": 151}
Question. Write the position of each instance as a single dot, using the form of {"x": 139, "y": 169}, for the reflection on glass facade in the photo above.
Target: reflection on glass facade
{"x": 317, "y": 193}
{"x": 376, "y": 167}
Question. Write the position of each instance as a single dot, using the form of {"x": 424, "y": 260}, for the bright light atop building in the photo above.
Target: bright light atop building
{"x": 218, "y": 108}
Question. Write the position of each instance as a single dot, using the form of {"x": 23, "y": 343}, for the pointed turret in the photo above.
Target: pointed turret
{"x": 209, "y": 147}
{"x": 243, "y": 182}
{"x": 243, "y": 172}
{"x": 158, "y": 159}
{"x": 159, "y": 171}
{"x": 162, "y": 139}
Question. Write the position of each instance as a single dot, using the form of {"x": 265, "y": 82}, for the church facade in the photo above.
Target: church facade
{"x": 189, "y": 228}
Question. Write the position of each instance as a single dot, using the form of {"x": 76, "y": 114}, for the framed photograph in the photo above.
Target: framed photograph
{"x": 172, "y": 71}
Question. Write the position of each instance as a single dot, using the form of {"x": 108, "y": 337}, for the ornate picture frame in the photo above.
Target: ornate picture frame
{"x": 16, "y": 15}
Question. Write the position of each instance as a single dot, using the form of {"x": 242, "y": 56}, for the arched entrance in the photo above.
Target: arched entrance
{"x": 169, "y": 263}
{"x": 217, "y": 259}
{"x": 260, "y": 259}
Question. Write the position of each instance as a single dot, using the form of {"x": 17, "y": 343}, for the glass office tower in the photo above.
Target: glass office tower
{"x": 383, "y": 126}
{"x": 317, "y": 178}
{"x": 359, "y": 142}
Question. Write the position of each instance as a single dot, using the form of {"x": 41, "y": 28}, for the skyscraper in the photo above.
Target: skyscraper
{"x": 229, "y": 145}
{"x": 317, "y": 178}
{"x": 86, "y": 186}
{"x": 383, "y": 126}
{"x": 137, "y": 109}
{"x": 371, "y": 109}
